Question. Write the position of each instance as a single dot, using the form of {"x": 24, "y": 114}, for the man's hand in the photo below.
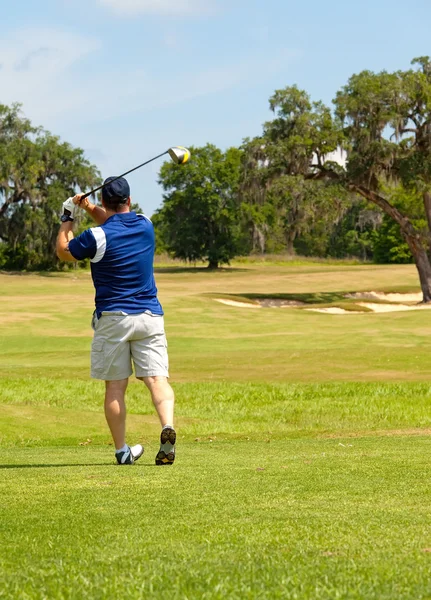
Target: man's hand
{"x": 78, "y": 200}
{"x": 70, "y": 210}
{"x": 97, "y": 213}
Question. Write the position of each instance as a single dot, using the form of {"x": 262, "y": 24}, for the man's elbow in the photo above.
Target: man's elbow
{"x": 65, "y": 255}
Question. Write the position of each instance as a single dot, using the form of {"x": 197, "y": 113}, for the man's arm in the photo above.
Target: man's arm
{"x": 67, "y": 247}
{"x": 97, "y": 213}
{"x": 62, "y": 246}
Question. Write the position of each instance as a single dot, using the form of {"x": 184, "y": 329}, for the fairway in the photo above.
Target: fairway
{"x": 304, "y": 445}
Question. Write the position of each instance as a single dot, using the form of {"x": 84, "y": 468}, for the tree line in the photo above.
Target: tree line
{"x": 37, "y": 172}
{"x": 288, "y": 189}
{"x": 352, "y": 180}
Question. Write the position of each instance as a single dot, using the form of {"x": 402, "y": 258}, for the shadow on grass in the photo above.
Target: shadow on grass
{"x": 198, "y": 270}
{"x": 49, "y": 274}
{"x": 305, "y": 298}
{"x": 47, "y": 466}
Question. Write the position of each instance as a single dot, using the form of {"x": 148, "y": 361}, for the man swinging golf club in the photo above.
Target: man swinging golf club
{"x": 128, "y": 320}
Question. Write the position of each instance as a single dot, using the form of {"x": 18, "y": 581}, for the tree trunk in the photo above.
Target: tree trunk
{"x": 427, "y": 206}
{"x": 258, "y": 239}
{"x": 290, "y": 239}
{"x": 213, "y": 264}
{"x": 423, "y": 266}
{"x": 411, "y": 235}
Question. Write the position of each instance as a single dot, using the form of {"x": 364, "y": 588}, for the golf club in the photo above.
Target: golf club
{"x": 179, "y": 155}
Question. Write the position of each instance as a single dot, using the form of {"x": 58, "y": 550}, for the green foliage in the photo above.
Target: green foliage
{"x": 389, "y": 245}
{"x": 37, "y": 172}
{"x": 386, "y": 122}
{"x": 199, "y": 219}
{"x": 161, "y": 235}
{"x": 353, "y": 235}
{"x": 279, "y": 193}
{"x": 382, "y": 121}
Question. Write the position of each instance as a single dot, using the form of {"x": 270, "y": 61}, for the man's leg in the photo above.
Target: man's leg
{"x": 163, "y": 399}
{"x": 115, "y": 410}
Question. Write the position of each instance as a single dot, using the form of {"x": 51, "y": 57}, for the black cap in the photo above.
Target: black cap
{"x": 118, "y": 190}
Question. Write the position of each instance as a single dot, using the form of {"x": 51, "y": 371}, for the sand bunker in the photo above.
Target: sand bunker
{"x": 239, "y": 304}
{"x": 392, "y": 302}
{"x": 393, "y": 307}
{"x": 262, "y": 303}
{"x": 377, "y": 308}
{"x": 335, "y": 310}
{"x": 278, "y": 303}
{"x": 417, "y": 297}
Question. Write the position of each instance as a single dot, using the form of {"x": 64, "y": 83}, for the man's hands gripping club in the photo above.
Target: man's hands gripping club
{"x": 70, "y": 210}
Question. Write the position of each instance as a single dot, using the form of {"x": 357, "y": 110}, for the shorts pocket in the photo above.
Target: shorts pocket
{"x": 94, "y": 321}
{"x": 97, "y": 355}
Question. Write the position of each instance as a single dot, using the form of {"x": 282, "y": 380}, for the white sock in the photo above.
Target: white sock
{"x": 123, "y": 449}
{"x": 166, "y": 426}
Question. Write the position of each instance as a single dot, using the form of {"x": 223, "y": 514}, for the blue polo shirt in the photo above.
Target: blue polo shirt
{"x": 121, "y": 253}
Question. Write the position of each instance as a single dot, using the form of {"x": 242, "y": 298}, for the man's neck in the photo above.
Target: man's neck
{"x": 110, "y": 213}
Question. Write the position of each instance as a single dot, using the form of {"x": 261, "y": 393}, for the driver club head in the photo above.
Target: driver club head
{"x": 179, "y": 154}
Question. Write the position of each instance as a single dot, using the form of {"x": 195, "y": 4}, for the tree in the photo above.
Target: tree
{"x": 383, "y": 123}
{"x": 386, "y": 122}
{"x": 37, "y": 172}
{"x": 276, "y": 190}
{"x": 199, "y": 219}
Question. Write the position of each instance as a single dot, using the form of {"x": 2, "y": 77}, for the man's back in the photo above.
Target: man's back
{"x": 121, "y": 252}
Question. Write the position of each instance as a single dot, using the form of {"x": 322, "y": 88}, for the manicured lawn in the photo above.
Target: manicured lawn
{"x": 304, "y": 445}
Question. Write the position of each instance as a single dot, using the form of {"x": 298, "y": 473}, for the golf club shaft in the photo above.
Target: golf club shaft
{"x": 126, "y": 173}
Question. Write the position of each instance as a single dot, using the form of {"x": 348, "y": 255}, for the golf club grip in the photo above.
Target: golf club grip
{"x": 90, "y": 193}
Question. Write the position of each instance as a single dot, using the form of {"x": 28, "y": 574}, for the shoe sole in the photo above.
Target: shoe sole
{"x": 138, "y": 456}
{"x": 167, "y": 435}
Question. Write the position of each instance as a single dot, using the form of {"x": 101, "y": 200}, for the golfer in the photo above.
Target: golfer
{"x": 128, "y": 319}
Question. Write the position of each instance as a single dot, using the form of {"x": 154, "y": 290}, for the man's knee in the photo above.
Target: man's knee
{"x": 116, "y": 384}
{"x": 115, "y": 389}
{"x": 154, "y": 381}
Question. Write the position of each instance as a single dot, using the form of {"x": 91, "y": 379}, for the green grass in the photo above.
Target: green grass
{"x": 304, "y": 445}
{"x": 234, "y": 519}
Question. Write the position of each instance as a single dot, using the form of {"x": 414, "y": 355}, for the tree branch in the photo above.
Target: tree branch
{"x": 402, "y": 131}
{"x": 322, "y": 173}
{"x": 4, "y": 207}
{"x": 403, "y": 221}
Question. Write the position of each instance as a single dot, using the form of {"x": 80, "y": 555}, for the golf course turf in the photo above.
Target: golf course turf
{"x": 304, "y": 444}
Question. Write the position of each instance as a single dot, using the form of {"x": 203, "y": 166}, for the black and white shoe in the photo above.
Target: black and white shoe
{"x": 166, "y": 454}
{"x": 129, "y": 456}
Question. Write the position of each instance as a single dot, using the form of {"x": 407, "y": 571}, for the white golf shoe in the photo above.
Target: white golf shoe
{"x": 131, "y": 455}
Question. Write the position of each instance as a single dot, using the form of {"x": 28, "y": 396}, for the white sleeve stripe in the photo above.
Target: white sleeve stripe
{"x": 145, "y": 216}
{"x": 100, "y": 238}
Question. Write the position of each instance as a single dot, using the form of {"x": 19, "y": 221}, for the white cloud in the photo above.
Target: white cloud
{"x": 159, "y": 7}
{"x": 35, "y": 67}
{"x": 39, "y": 68}
{"x": 64, "y": 82}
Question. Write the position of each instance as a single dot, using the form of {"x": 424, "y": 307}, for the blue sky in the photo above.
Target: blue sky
{"x": 126, "y": 79}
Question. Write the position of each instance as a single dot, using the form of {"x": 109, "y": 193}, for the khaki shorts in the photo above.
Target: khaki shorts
{"x": 120, "y": 339}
